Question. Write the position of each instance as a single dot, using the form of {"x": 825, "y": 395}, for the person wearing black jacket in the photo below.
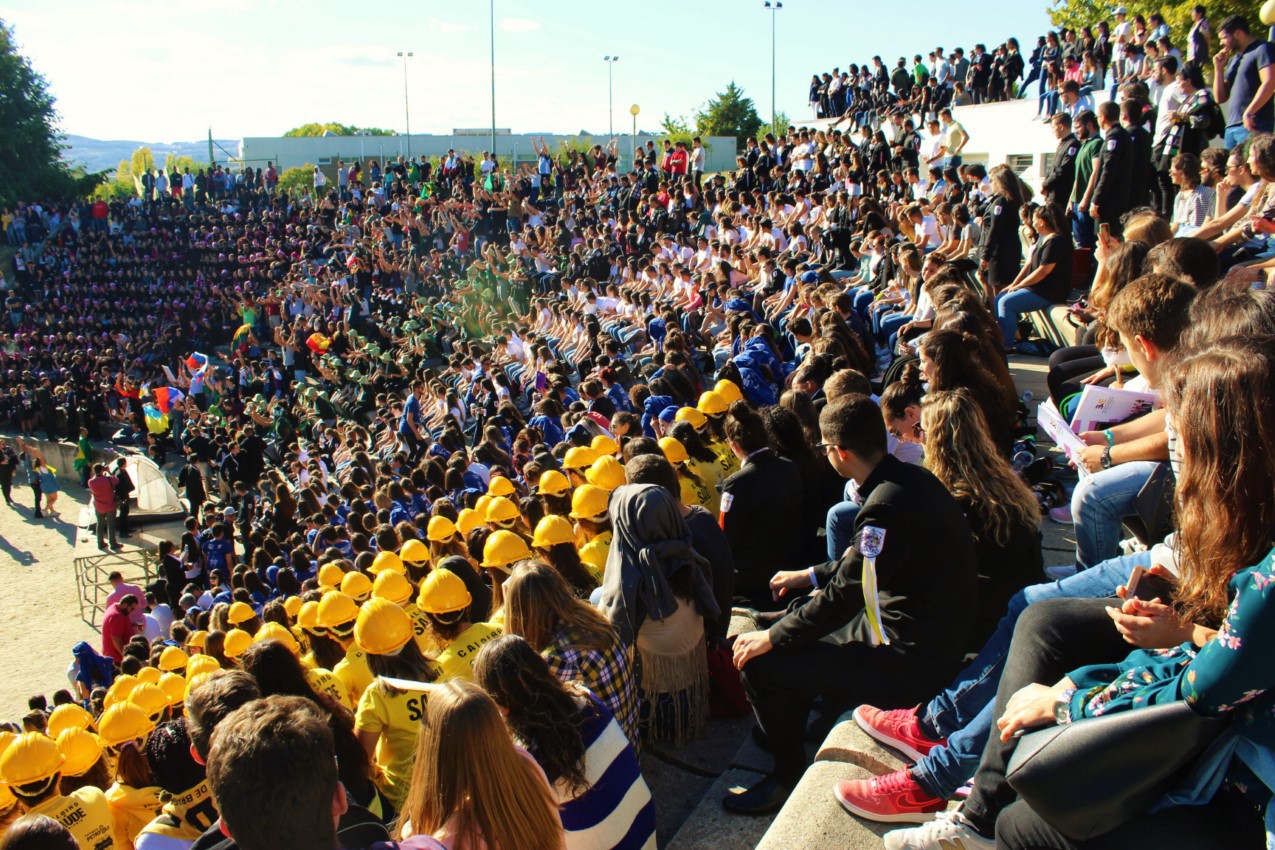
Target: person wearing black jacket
{"x": 761, "y": 508}
{"x": 192, "y": 479}
{"x": 1001, "y": 250}
{"x": 1061, "y": 176}
{"x": 1111, "y": 194}
{"x": 891, "y": 617}
{"x": 123, "y": 498}
{"x": 1140, "y": 173}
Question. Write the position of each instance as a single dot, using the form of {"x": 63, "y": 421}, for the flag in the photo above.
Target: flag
{"x": 197, "y": 362}
{"x": 166, "y": 397}
{"x": 318, "y": 343}
{"x": 156, "y": 419}
{"x": 241, "y": 333}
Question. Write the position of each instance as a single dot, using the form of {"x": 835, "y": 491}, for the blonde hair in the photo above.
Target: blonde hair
{"x": 538, "y": 602}
{"x": 962, "y": 456}
{"x": 468, "y": 772}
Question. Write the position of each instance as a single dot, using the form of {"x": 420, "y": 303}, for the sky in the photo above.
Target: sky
{"x": 169, "y": 70}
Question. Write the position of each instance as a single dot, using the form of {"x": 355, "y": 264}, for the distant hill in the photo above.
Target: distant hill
{"x": 101, "y": 155}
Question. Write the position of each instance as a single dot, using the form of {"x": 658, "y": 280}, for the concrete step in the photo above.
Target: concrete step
{"x": 711, "y": 826}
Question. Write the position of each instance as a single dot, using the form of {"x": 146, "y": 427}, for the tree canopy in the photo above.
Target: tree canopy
{"x": 730, "y": 113}
{"x": 314, "y": 129}
{"x": 1075, "y": 14}
{"x": 31, "y": 164}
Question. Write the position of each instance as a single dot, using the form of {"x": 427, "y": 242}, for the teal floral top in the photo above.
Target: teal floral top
{"x": 1232, "y": 673}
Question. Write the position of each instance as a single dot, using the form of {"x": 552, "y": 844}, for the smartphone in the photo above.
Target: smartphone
{"x": 1105, "y": 230}
{"x": 1145, "y": 585}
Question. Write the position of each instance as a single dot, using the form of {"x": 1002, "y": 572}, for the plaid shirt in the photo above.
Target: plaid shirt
{"x": 608, "y": 673}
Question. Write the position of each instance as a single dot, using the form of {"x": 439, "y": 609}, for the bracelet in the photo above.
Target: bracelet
{"x": 1111, "y": 438}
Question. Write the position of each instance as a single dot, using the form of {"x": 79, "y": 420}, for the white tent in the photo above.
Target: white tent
{"x": 154, "y": 494}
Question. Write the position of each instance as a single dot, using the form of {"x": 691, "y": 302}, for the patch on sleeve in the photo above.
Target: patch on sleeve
{"x": 871, "y": 541}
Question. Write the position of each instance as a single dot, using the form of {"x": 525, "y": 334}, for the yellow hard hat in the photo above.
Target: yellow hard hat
{"x": 552, "y": 483}
{"x": 194, "y": 682}
{"x": 174, "y": 687}
{"x": 711, "y": 403}
{"x": 692, "y": 415}
{"x": 383, "y": 562}
{"x": 467, "y": 520}
{"x": 673, "y": 450}
{"x": 579, "y": 457}
{"x": 30, "y": 758}
{"x": 240, "y": 612}
{"x": 237, "y": 643}
{"x": 119, "y": 689}
{"x": 553, "y": 530}
{"x": 279, "y": 632}
{"x": 292, "y": 605}
{"x": 729, "y": 391}
{"x": 594, "y": 556}
{"x": 481, "y": 503}
{"x": 150, "y": 699}
{"x": 148, "y": 674}
{"x": 172, "y": 658}
{"x": 501, "y": 509}
{"x": 330, "y": 575}
{"x": 201, "y": 664}
{"x": 383, "y": 628}
{"x": 393, "y": 587}
{"x": 197, "y": 639}
{"x": 337, "y": 611}
{"x": 604, "y": 444}
{"x": 504, "y": 548}
{"x": 443, "y": 592}
{"x": 589, "y": 502}
{"x": 440, "y": 529}
{"x": 123, "y": 722}
{"x": 80, "y": 750}
{"x": 501, "y": 486}
{"x": 307, "y": 618}
{"x": 414, "y": 551}
{"x": 606, "y": 473}
{"x": 358, "y": 586}
{"x": 69, "y": 716}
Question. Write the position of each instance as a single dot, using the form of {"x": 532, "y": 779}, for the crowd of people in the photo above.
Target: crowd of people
{"x": 479, "y": 465}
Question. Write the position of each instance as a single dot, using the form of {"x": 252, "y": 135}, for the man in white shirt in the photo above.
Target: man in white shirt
{"x": 1171, "y": 97}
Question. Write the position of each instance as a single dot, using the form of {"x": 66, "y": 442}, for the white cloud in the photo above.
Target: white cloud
{"x": 448, "y": 27}
{"x": 519, "y": 25}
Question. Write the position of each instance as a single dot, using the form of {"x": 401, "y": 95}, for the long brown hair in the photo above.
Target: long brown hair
{"x": 1222, "y": 404}
{"x": 538, "y": 602}
{"x": 467, "y": 771}
{"x": 960, "y": 453}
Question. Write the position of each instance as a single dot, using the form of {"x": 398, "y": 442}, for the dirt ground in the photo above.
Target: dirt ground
{"x": 40, "y": 616}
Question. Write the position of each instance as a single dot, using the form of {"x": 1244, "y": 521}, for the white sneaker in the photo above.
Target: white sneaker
{"x": 948, "y": 831}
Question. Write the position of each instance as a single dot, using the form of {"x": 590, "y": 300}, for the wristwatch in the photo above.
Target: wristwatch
{"x": 1062, "y": 706}
{"x": 1105, "y": 462}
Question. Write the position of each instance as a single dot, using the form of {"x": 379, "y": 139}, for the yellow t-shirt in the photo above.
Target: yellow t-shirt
{"x": 326, "y": 682}
{"x": 396, "y": 716}
{"x": 420, "y": 629}
{"x": 711, "y": 475}
{"x": 353, "y": 672}
{"x": 725, "y": 459}
{"x": 594, "y": 555}
{"x": 694, "y": 492}
{"x": 86, "y": 814}
{"x": 131, "y": 809}
{"x": 184, "y": 817}
{"x": 457, "y": 659}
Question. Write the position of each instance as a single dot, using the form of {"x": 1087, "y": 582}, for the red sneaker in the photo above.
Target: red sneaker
{"x": 897, "y": 729}
{"x": 893, "y": 798}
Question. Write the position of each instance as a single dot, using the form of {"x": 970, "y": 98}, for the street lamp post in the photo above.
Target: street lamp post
{"x": 774, "y": 8}
{"x": 407, "y": 111}
{"x": 610, "y": 60}
{"x": 633, "y": 110}
{"x": 493, "y": 79}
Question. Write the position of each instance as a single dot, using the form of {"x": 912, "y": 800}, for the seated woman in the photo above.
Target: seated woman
{"x": 656, "y": 593}
{"x": 1043, "y": 281}
{"x": 592, "y": 768}
{"x": 1221, "y": 410}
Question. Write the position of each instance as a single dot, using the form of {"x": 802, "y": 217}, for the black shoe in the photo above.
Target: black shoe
{"x": 766, "y": 797}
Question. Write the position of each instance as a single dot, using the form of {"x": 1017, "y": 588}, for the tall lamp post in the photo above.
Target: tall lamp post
{"x": 774, "y": 8}
{"x": 610, "y": 60}
{"x": 633, "y": 110}
{"x": 407, "y": 112}
{"x": 493, "y": 79}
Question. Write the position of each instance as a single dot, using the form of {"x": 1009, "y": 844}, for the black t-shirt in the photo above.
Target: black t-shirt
{"x": 1056, "y": 249}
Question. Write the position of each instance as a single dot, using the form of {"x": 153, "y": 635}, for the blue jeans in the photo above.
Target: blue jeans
{"x": 1099, "y": 503}
{"x": 839, "y": 527}
{"x": 963, "y": 713}
{"x": 1010, "y": 305}
{"x": 1082, "y": 231}
{"x": 1235, "y": 136}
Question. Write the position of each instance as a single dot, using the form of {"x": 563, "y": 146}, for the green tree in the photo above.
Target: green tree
{"x": 338, "y": 129}
{"x": 676, "y": 128}
{"x": 176, "y": 164}
{"x": 142, "y": 162}
{"x": 782, "y": 121}
{"x": 31, "y": 164}
{"x": 730, "y": 113}
{"x": 300, "y": 178}
{"x": 1075, "y": 14}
